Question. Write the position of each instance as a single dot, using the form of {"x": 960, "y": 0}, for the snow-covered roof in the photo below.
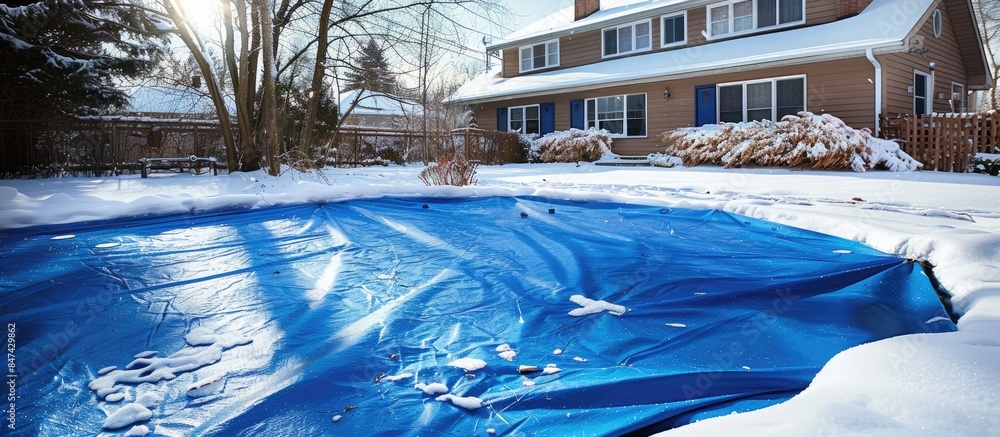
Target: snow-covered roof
{"x": 168, "y": 100}
{"x": 375, "y": 103}
{"x": 883, "y": 25}
{"x": 562, "y": 23}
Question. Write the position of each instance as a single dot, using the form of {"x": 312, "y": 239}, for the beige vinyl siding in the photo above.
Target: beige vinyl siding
{"x": 819, "y": 12}
{"x": 949, "y": 67}
{"x": 958, "y": 12}
{"x": 842, "y": 88}
{"x": 585, "y": 48}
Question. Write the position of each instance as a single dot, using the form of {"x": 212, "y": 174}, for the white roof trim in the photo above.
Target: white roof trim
{"x": 883, "y": 26}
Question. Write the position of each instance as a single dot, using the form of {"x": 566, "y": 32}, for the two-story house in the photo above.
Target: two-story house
{"x": 641, "y": 67}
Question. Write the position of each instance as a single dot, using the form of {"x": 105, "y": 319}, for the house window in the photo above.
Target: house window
{"x": 768, "y": 99}
{"x": 629, "y": 38}
{"x": 543, "y": 55}
{"x": 741, "y": 16}
{"x": 673, "y": 30}
{"x": 938, "y": 23}
{"x": 523, "y": 119}
{"x": 958, "y": 97}
{"x": 921, "y": 93}
{"x": 620, "y": 115}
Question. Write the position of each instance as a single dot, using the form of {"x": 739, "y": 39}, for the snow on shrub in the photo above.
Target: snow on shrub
{"x": 666, "y": 161}
{"x": 807, "y": 140}
{"x": 454, "y": 170}
{"x": 574, "y": 145}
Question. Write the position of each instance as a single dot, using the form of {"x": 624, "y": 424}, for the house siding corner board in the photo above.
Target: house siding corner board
{"x": 949, "y": 67}
{"x": 843, "y": 88}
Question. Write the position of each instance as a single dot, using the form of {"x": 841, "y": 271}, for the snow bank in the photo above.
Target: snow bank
{"x": 807, "y": 140}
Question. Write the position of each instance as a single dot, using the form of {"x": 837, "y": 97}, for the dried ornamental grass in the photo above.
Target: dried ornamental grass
{"x": 455, "y": 171}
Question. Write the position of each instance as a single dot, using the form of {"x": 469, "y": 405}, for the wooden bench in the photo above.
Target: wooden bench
{"x": 179, "y": 164}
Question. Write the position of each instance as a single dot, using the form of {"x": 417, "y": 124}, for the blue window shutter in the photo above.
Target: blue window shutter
{"x": 576, "y": 114}
{"x": 502, "y": 119}
{"x": 548, "y": 118}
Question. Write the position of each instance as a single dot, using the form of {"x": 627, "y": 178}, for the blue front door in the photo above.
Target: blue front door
{"x": 705, "y": 112}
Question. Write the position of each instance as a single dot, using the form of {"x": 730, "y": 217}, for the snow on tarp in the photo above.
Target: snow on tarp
{"x": 307, "y": 311}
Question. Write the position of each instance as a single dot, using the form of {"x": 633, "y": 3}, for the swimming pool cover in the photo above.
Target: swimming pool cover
{"x": 321, "y": 319}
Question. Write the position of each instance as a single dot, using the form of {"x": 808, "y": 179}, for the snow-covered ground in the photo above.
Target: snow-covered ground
{"x": 913, "y": 385}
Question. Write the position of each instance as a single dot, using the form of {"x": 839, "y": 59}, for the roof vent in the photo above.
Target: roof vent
{"x": 583, "y": 8}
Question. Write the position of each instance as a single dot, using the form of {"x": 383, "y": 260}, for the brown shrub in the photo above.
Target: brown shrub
{"x": 453, "y": 170}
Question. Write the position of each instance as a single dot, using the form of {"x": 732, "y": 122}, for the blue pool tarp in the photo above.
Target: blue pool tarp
{"x": 350, "y": 305}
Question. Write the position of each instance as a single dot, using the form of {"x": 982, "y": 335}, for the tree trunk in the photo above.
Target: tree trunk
{"x": 225, "y": 126}
{"x": 312, "y": 105}
{"x": 269, "y": 101}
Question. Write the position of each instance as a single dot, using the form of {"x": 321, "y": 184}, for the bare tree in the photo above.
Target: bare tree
{"x": 988, "y": 12}
{"x": 257, "y": 38}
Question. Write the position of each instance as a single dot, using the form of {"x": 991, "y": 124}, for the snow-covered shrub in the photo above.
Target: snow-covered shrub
{"x": 986, "y": 163}
{"x": 453, "y": 170}
{"x": 490, "y": 147}
{"x": 574, "y": 145}
{"x": 665, "y": 161}
{"x": 807, "y": 140}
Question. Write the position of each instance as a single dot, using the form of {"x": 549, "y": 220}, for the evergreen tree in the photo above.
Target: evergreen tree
{"x": 370, "y": 71}
{"x": 64, "y": 56}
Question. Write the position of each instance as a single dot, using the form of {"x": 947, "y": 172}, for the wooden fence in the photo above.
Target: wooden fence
{"x": 947, "y": 142}
{"x": 360, "y": 145}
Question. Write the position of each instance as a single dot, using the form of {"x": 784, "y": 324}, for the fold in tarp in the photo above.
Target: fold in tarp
{"x": 321, "y": 319}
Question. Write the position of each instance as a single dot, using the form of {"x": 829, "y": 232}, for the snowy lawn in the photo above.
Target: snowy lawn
{"x": 911, "y": 385}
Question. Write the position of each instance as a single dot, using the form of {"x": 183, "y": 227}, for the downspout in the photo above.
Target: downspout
{"x": 878, "y": 88}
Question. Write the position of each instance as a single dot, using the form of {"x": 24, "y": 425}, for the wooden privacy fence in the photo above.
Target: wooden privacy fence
{"x": 947, "y": 142}
{"x": 360, "y": 145}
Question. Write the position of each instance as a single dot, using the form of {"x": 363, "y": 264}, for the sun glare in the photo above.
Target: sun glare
{"x": 200, "y": 11}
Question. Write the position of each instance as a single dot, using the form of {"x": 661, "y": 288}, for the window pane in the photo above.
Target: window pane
{"x": 635, "y": 115}
{"x": 720, "y": 20}
{"x": 791, "y": 11}
{"x": 610, "y": 42}
{"x": 791, "y": 97}
{"x": 679, "y": 29}
{"x": 613, "y": 126}
{"x": 743, "y": 16}
{"x": 759, "y": 114}
{"x": 768, "y": 12}
{"x": 759, "y": 101}
{"x": 553, "y": 53}
{"x": 516, "y": 119}
{"x": 625, "y": 40}
{"x": 531, "y": 127}
{"x": 731, "y": 103}
{"x": 642, "y": 36}
{"x": 531, "y": 112}
{"x": 668, "y": 31}
{"x": 539, "y": 55}
{"x": 526, "y": 59}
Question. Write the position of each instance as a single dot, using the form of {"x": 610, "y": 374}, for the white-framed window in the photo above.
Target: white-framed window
{"x": 922, "y": 90}
{"x": 622, "y": 116}
{"x": 673, "y": 30}
{"x": 538, "y": 56}
{"x": 627, "y": 38}
{"x": 524, "y": 119}
{"x": 958, "y": 97}
{"x": 765, "y": 99}
{"x": 938, "y": 22}
{"x": 735, "y": 17}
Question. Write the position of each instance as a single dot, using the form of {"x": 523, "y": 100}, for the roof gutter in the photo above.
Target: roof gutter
{"x": 878, "y": 87}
